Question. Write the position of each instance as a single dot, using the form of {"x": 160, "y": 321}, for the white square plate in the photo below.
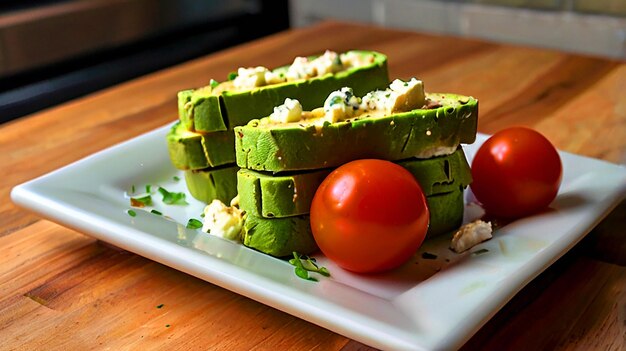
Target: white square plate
{"x": 427, "y": 304}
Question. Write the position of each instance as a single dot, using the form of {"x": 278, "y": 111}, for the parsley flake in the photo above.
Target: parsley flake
{"x": 213, "y": 83}
{"x": 132, "y": 189}
{"x": 304, "y": 264}
{"x": 194, "y": 224}
{"x": 160, "y": 306}
{"x": 158, "y": 213}
{"x": 176, "y": 178}
{"x": 131, "y": 213}
{"x": 172, "y": 198}
{"x": 141, "y": 201}
{"x": 148, "y": 188}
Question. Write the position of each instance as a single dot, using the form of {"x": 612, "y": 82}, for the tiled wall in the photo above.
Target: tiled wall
{"x": 603, "y": 7}
{"x": 596, "y": 27}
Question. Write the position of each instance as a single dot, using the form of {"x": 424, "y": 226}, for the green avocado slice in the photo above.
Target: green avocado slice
{"x": 281, "y": 236}
{"x": 190, "y": 150}
{"x": 441, "y": 174}
{"x": 283, "y": 195}
{"x": 199, "y": 110}
{"x": 196, "y": 106}
{"x": 209, "y": 184}
{"x": 290, "y": 146}
{"x": 446, "y": 212}
{"x": 267, "y": 196}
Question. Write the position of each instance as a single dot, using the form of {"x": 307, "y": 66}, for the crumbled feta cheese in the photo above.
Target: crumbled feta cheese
{"x": 299, "y": 69}
{"x": 406, "y": 96}
{"x": 471, "y": 235}
{"x": 399, "y": 97}
{"x": 290, "y": 111}
{"x": 250, "y": 77}
{"x": 274, "y": 78}
{"x": 355, "y": 59}
{"x": 223, "y": 221}
{"x": 340, "y": 105}
{"x": 376, "y": 100}
{"x": 327, "y": 63}
{"x": 302, "y": 67}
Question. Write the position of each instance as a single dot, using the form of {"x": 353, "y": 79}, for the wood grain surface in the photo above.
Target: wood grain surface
{"x": 62, "y": 290}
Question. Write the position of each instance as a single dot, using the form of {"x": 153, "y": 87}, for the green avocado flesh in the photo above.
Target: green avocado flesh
{"x": 284, "y": 195}
{"x": 289, "y": 147}
{"x": 190, "y": 150}
{"x": 267, "y": 196}
{"x": 213, "y": 183}
{"x": 279, "y": 236}
{"x": 201, "y": 111}
{"x": 282, "y": 236}
{"x": 446, "y": 212}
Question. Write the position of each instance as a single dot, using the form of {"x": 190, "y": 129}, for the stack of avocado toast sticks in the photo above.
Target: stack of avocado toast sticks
{"x": 251, "y": 136}
{"x": 285, "y": 157}
{"x": 202, "y": 142}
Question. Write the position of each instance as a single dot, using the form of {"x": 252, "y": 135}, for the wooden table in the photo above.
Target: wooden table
{"x": 60, "y": 289}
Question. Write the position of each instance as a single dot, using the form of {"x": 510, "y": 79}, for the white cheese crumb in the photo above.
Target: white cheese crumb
{"x": 274, "y": 78}
{"x": 340, "y": 105}
{"x": 327, "y": 63}
{"x": 299, "y": 69}
{"x": 223, "y": 221}
{"x": 250, "y": 77}
{"x": 355, "y": 59}
{"x": 471, "y": 235}
{"x": 406, "y": 96}
{"x": 302, "y": 67}
{"x": 401, "y": 96}
{"x": 290, "y": 111}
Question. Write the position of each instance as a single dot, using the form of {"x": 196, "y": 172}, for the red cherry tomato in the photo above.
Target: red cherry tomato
{"x": 369, "y": 216}
{"x": 517, "y": 172}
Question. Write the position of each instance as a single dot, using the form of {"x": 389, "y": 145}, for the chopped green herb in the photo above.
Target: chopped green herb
{"x": 304, "y": 264}
{"x": 194, "y": 224}
{"x": 429, "y": 256}
{"x": 158, "y": 213}
{"x": 480, "y": 252}
{"x": 176, "y": 178}
{"x": 132, "y": 189}
{"x": 141, "y": 201}
{"x": 148, "y": 188}
{"x": 213, "y": 83}
{"x": 172, "y": 198}
{"x": 131, "y": 213}
{"x": 232, "y": 75}
{"x": 167, "y": 326}
{"x": 202, "y": 215}
{"x": 160, "y": 306}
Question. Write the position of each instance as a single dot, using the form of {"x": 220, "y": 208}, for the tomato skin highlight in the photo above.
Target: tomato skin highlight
{"x": 369, "y": 216}
{"x": 516, "y": 172}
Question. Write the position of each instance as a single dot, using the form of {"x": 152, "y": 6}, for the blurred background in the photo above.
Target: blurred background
{"x": 52, "y": 51}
